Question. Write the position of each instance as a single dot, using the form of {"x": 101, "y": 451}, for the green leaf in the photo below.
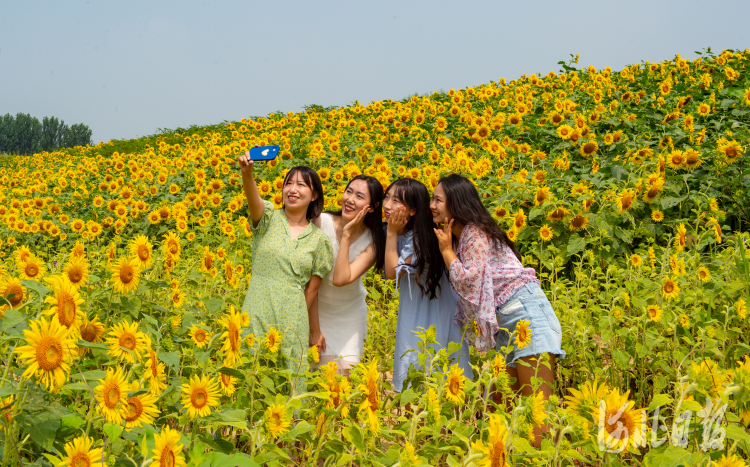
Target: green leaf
{"x": 354, "y": 436}
{"x": 672, "y": 456}
{"x": 736, "y": 432}
{"x": 659, "y": 400}
{"x": 214, "y": 305}
{"x": 300, "y": 429}
{"x": 6, "y": 391}
{"x": 407, "y": 396}
{"x": 90, "y": 375}
{"x": 575, "y": 244}
{"x": 41, "y": 290}
{"x": 12, "y": 317}
{"x": 41, "y": 426}
{"x": 231, "y": 372}
{"x": 91, "y": 345}
{"x": 235, "y": 460}
{"x": 669, "y": 202}
{"x": 172, "y": 359}
{"x": 73, "y": 421}
{"x": 113, "y": 431}
{"x": 75, "y": 386}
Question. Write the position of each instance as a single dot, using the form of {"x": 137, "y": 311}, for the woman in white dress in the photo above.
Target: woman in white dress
{"x": 358, "y": 239}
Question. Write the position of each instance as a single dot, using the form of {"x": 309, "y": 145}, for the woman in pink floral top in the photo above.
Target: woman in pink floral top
{"x": 500, "y": 302}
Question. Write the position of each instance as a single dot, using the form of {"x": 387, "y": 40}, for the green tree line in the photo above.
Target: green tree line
{"x": 24, "y": 134}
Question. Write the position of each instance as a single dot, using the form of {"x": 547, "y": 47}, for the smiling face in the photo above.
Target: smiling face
{"x": 439, "y": 207}
{"x": 354, "y": 199}
{"x": 297, "y": 194}
{"x": 391, "y": 202}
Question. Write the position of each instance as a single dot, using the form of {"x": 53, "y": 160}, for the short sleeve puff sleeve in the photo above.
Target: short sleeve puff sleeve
{"x": 265, "y": 220}
{"x": 323, "y": 261}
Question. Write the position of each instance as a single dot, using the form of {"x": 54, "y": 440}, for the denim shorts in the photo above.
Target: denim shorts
{"x": 529, "y": 303}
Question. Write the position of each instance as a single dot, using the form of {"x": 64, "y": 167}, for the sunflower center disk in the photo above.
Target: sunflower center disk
{"x": 127, "y": 340}
{"x": 49, "y": 353}
{"x": 199, "y": 398}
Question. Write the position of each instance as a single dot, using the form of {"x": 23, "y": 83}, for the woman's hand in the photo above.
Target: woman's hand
{"x": 397, "y": 220}
{"x": 445, "y": 236}
{"x": 246, "y": 165}
{"x": 355, "y": 223}
{"x": 316, "y": 338}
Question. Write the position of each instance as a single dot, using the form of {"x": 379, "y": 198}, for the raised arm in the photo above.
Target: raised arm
{"x": 254, "y": 201}
{"x": 344, "y": 272}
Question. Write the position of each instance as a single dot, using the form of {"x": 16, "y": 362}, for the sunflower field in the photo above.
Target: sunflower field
{"x": 123, "y": 265}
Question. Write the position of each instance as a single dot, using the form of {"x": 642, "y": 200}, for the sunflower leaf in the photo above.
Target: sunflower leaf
{"x": 172, "y": 359}
{"x": 41, "y": 290}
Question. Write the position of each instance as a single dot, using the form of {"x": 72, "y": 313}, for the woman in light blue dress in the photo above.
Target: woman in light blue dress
{"x": 412, "y": 257}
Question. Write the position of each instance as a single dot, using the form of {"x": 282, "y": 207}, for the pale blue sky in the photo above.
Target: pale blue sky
{"x": 127, "y": 68}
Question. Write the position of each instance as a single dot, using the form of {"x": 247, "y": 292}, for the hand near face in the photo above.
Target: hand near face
{"x": 397, "y": 220}
{"x": 445, "y": 236}
{"x": 357, "y": 222}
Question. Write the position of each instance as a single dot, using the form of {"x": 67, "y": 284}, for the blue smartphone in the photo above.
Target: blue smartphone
{"x": 264, "y": 153}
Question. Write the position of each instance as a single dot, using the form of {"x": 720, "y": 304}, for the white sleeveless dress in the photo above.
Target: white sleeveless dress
{"x": 342, "y": 310}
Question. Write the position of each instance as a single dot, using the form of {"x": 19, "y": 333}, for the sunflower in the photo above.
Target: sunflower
{"x": 536, "y": 407}
{"x": 227, "y": 383}
{"x": 557, "y": 214}
{"x": 619, "y": 424}
{"x": 684, "y": 320}
{"x": 731, "y": 150}
{"x": 91, "y": 331}
{"x": 47, "y": 352}
{"x": 272, "y": 341}
{"x": 199, "y": 395}
{"x": 542, "y": 194}
{"x": 232, "y": 346}
{"x": 692, "y": 159}
{"x": 32, "y": 268}
{"x": 728, "y": 461}
{"x": 80, "y": 452}
{"x": 13, "y": 292}
{"x": 337, "y": 388}
{"x": 654, "y": 313}
{"x": 168, "y": 449}
{"x": 625, "y": 201}
{"x": 704, "y": 274}
{"x": 657, "y": 216}
{"x": 154, "y": 373}
{"x": 76, "y": 271}
{"x": 141, "y": 251}
{"x": 277, "y": 420}
{"x": 494, "y": 451}
{"x": 564, "y": 131}
{"x": 111, "y": 395}
{"x": 125, "y": 275}
{"x": 369, "y": 389}
{"x": 519, "y": 219}
{"x": 741, "y": 308}
{"x": 681, "y": 239}
{"x": 636, "y": 260}
{"x": 66, "y": 304}
{"x": 21, "y": 253}
{"x": 578, "y": 222}
{"x": 589, "y": 148}
{"x": 454, "y": 385}
{"x": 177, "y": 297}
{"x": 670, "y": 289}
{"x": 126, "y": 342}
{"x": 171, "y": 244}
{"x": 545, "y": 233}
{"x": 138, "y": 410}
{"x": 523, "y": 334}
{"x": 586, "y": 400}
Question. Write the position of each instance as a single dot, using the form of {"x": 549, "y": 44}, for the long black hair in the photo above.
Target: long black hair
{"x": 373, "y": 220}
{"x": 414, "y": 195}
{"x": 464, "y": 205}
{"x": 312, "y": 180}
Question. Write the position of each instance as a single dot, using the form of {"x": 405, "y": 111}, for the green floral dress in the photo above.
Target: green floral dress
{"x": 281, "y": 269}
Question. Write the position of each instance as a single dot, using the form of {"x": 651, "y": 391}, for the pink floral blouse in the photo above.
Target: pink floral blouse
{"x": 484, "y": 277}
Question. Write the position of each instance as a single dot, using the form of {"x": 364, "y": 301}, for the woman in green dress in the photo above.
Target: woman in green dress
{"x": 290, "y": 258}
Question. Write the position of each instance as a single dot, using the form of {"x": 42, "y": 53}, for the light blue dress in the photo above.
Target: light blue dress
{"x": 416, "y": 310}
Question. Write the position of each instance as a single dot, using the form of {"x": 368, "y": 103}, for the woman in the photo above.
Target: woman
{"x": 494, "y": 288}
{"x": 290, "y": 258}
{"x": 356, "y": 233}
{"x": 412, "y": 256}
